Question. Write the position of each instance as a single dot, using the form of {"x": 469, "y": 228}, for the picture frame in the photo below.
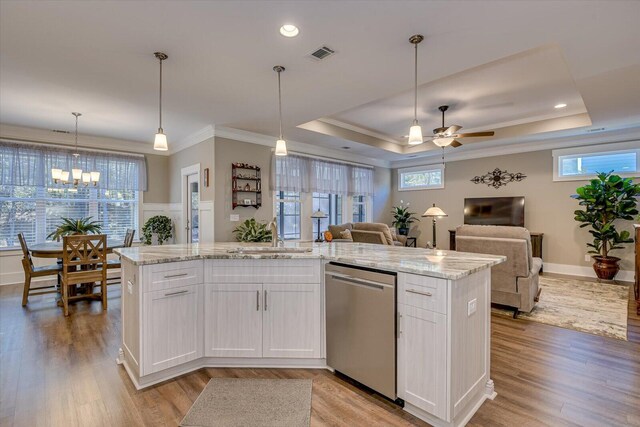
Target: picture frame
{"x": 206, "y": 177}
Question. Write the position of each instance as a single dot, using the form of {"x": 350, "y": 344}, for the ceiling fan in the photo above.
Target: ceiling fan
{"x": 448, "y": 136}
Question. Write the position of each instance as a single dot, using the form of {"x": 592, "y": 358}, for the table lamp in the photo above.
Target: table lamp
{"x": 319, "y": 215}
{"x": 434, "y": 212}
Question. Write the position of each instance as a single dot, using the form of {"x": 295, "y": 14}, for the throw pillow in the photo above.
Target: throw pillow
{"x": 346, "y": 235}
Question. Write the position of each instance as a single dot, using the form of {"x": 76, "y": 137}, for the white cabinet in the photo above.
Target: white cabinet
{"x": 233, "y": 320}
{"x": 422, "y": 359}
{"x": 291, "y": 320}
{"x": 172, "y": 327}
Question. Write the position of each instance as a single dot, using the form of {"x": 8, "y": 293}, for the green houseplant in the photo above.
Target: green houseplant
{"x": 402, "y": 218}
{"x": 252, "y": 231}
{"x": 606, "y": 199}
{"x": 159, "y": 225}
{"x": 75, "y": 226}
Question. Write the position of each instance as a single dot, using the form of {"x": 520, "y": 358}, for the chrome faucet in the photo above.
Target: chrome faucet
{"x": 273, "y": 227}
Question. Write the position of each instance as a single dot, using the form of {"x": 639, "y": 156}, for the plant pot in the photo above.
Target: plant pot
{"x": 403, "y": 231}
{"x": 606, "y": 268}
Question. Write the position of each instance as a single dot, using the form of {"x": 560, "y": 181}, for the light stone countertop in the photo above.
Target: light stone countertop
{"x": 427, "y": 262}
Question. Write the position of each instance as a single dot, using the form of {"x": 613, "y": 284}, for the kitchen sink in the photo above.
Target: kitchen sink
{"x": 268, "y": 250}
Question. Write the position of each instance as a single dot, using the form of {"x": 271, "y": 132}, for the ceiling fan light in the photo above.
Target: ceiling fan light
{"x": 160, "y": 143}
{"x": 443, "y": 142}
{"x": 415, "y": 135}
{"x": 281, "y": 147}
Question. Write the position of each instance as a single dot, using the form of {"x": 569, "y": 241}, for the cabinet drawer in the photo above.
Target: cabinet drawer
{"x": 282, "y": 271}
{"x": 159, "y": 277}
{"x": 427, "y": 293}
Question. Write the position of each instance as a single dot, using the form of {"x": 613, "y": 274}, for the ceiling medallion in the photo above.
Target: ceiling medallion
{"x": 498, "y": 178}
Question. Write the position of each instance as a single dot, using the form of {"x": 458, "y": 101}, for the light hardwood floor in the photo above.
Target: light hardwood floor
{"x": 61, "y": 372}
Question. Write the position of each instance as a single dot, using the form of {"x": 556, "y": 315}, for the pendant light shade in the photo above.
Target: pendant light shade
{"x": 160, "y": 141}
{"x": 281, "y": 144}
{"x": 415, "y": 132}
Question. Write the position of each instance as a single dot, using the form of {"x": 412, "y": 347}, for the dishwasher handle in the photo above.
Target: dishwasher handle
{"x": 357, "y": 281}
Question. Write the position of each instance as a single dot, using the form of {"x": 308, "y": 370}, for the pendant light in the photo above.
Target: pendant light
{"x": 281, "y": 144}
{"x": 59, "y": 175}
{"x": 415, "y": 132}
{"x": 160, "y": 141}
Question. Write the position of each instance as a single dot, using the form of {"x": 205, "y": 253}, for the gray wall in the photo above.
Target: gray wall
{"x": 157, "y": 179}
{"x": 382, "y": 197}
{"x": 548, "y": 205}
{"x": 200, "y": 153}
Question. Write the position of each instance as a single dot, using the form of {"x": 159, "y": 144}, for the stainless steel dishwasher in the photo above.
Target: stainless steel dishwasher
{"x": 361, "y": 325}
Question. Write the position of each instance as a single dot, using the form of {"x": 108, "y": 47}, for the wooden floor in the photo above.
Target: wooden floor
{"x": 61, "y": 372}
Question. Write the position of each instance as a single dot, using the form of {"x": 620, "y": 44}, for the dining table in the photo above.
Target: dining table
{"x": 54, "y": 249}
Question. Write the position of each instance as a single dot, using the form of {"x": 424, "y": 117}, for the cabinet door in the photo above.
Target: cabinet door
{"x": 422, "y": 363}
{"x": 233, "y": 320}
{"x": 291, "y": 320}
{"x": 172, "y": 327}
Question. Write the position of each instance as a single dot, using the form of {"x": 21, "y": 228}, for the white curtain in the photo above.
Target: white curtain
{"x": 24, "y": 164}
{"x": 307, "y": 175}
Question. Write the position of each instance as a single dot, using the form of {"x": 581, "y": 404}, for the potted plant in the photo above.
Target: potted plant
{"x": 75, "y": 226}
{"x": 402, "y": 218}
{"x": 159, "y": 225}
{"x": 607, "y": 199}
{"x": 252, "y": 231}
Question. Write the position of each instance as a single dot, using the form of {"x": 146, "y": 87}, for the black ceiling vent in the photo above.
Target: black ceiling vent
{"x": 59, "y": 131}
{"x": 322, "y": 53}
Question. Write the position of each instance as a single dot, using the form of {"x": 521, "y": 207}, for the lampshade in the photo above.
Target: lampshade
{"x": 415, "y": 135}
{"x": 76, "y": 173}
{"x": 86, "y": 177}
{"x": 434, "y": 211}
{"x": 64, "y": 176}
{"x": 95, "y": 177}
{"x": 443, "y": 142}
{"x": 56, "y": 174}
{"x": 281, "y": 147}
{"x": 160, "y": 143}
{"x": 318, "y": 214}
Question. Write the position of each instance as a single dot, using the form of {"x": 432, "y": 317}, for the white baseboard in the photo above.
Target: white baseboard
{"x": 578, "y": 270}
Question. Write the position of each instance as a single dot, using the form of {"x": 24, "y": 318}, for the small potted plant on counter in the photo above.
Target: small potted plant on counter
{"x": 75, "y": 226}
{"x": 402, "y": 218}
{"x": 159, "y": 226}
{"x": 252, "y": 231}
{"x": 607, "y": 199}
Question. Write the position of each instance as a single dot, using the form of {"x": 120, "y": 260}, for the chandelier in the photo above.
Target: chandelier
{"x": 77, "y": 175}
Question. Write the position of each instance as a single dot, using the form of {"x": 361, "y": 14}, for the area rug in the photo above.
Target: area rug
{"x": 235, "y": 402}
{"x": 596, "y": 308}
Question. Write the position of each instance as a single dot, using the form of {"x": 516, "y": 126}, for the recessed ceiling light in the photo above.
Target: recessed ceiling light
{"x": 346, "y": 148}
{"x": 561, "y": 105}
{"x": 289, "y": 30}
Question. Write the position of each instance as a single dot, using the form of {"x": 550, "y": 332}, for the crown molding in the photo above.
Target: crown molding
{"x": 27, "y": 134}
{"x": 492, "y": 149}
{"x": 301, "y": 147}
{"x": 197, "y": 137}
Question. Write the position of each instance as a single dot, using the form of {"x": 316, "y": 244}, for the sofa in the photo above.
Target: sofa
{"x": 368, "y": 232}
{"x": 514, "y": 283}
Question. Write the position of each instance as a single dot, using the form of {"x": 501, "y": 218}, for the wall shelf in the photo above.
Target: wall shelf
{"x": 242, "y": 175}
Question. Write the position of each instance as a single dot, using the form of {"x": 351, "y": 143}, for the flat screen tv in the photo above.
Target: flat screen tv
{"x": 494, "y": 211}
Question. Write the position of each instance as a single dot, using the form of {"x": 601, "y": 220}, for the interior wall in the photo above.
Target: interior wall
{"x": 382, "y": 197}
{"x": 548, "y": 205}
{"x": 157, "y": 179}
{"x": 202, "y": 153}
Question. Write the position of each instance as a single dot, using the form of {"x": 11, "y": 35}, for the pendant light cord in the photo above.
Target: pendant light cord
{"x": 415, "y": 86}
{"x": 76, "y": 133}
{"x": 160, "y": 97}
{"x": 280, "y": 103}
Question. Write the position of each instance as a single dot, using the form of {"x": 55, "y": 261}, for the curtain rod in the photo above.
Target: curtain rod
{"x": 314, "y": 156}
{"x": 53, "y": 145}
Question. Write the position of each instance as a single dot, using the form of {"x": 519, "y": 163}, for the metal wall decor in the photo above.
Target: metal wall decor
{"x": 498, "y": 178}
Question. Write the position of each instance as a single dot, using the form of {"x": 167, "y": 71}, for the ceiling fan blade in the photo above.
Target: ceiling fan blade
{"x": 472, "y": 134}
{"x": 456, "y": 143}
{"x": 452, "y": 129}
{"x": 439, "y": 130}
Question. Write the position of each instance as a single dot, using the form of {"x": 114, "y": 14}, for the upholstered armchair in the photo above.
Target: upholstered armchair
{"x": 515, "y": 282}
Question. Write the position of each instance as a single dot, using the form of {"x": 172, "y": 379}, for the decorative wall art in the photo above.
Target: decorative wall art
{"x": 498, "y": 178}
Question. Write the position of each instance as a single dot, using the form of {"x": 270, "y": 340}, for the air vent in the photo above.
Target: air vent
{"x": 322, "y": 53}
{"x": 595, "y": 130}
{"x": 59, "y": 131}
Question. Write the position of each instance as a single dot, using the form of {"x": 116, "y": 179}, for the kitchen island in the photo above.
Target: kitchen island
{"x": 185, "y": 307}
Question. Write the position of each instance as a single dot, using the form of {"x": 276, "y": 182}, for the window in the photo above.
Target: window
{"x": 288, "y": 214}
{"x": 359, "y": 209}
{"x": 330, "y": 204}
{"x": 585, "y": 162}
{"x": 31, "y": 203}
{"x": 420, "y": 178}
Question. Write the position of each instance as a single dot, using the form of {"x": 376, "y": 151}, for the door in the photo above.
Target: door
{"x": 291, "y": 320}
{"x": 192, "y": 222}
{"x": 233, "y": 320}
{"x": 422, "y": 363}
{"x": 172, "y": 327}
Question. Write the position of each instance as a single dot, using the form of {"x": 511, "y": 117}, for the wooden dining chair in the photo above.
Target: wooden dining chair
{"x": 31, "y": 271}
{"x": 84, "y": 261}
{"x": 115, "y": 263}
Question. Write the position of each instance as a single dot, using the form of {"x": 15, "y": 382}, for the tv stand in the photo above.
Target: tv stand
{"x": 536, "y": 243}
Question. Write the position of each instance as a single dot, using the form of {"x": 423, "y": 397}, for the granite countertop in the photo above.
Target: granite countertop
{"x": 427, "y": 262}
